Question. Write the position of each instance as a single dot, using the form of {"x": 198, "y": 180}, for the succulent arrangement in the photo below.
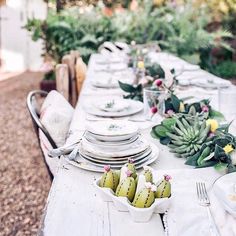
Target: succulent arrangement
{"x": 198, "y": 138}
{"x": 140, "y": 190}
{"x": 174, "y": 105}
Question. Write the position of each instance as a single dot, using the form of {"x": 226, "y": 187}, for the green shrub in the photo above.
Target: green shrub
{"x": 226, "y": 69}
{"x": 180, "y": 31}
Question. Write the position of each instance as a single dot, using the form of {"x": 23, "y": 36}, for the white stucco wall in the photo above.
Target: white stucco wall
{"x": 18, "y": 51}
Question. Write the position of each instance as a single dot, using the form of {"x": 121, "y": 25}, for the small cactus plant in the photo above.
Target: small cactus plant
{"x": 145, "y": 197}
{"x": 132, "y": 168}
{"x": 127, "y": 187}
{"x": 109, "y": 179}
{"x": 163, "y": 188}
{"x": 147, "y": 172}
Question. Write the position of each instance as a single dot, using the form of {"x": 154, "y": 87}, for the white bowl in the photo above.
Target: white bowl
{"x": 160, "y": 206}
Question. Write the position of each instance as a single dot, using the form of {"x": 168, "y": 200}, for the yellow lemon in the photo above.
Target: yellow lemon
{"x": 228, "y": 148}
{"x": 213, "y": 124}
{"x": 141, "y": 65}
{"x": 181, "y": 107}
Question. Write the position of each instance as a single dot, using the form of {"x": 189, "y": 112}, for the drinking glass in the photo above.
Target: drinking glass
{"x": 153, "y": 102}
{"x": 227, "y": 102}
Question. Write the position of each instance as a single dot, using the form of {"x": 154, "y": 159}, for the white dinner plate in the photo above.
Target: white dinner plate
{"x": 90, "y": 137}
{"x": 112, "y": 105}
{"x": 134, "y": 107}
{"x": 103, "y": 146}
{"x": 111, "y": 128}
{"x": 114, "y": 161}
{"x": 224, "y": 189}
{"x": 135, "y": 148}
{"x": 85, "y": 165}
{"x": 115, "y": 165}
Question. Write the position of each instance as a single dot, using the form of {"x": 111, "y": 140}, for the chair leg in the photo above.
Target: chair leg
{"x": 45, "y": 163}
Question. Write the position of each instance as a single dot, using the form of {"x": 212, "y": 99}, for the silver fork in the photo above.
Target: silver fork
{"x": 205, "y": 202}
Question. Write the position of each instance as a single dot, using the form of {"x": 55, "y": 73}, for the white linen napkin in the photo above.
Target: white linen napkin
{"x": 185, "y": 216}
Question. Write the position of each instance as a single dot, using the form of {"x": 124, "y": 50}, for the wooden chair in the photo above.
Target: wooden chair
{"x": 62, "y": 80}
{"x": 69, "y": 60}
{"x": 80, "y": 69}
{"x": 33, "y": 108}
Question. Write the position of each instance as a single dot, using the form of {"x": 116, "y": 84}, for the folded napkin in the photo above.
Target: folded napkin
{"x": 185, "y": 216}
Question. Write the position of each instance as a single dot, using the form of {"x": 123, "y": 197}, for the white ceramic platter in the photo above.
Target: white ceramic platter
{"x": 84, "y": 164}
{"x": 133, "y": 108}
{"x": 224, "y": 189}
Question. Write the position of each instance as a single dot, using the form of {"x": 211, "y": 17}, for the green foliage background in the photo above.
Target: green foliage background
{"x": 181, "y": 31}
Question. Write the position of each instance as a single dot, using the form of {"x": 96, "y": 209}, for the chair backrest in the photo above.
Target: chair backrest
{"x": 34, "y": 113}
{"x": 80, "y": 69}
{"x": 69, "y": 60}
{"x": 62, "y": 80}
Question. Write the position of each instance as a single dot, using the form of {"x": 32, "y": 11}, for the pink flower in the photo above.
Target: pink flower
{"x": 170, "y": 112}
{"x": 167, "y": 177}
{"x": 211, "y": 134}
{"x": 205, "y": 108}
{"x": 158, "y": 82}
{"x": 131, "y": 161}
{"x": 129, "y": 173}
{"x": 107, "y": 168}
{"x": 154, "y": 110}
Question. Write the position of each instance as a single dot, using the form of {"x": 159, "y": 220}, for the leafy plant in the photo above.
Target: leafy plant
{"x": 180, "y": 31}
{"x": 226, "y": 69}
{"x": 135, "y": 92}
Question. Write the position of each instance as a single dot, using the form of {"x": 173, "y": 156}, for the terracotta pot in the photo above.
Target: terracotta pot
{"x": 48, "y": 85}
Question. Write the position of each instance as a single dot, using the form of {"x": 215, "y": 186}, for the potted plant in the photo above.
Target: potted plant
{"x": 49, "y": 80}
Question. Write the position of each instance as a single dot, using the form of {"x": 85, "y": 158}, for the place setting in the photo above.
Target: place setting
{"x": 112, "y": 143}
{"x": 112, "y": 107}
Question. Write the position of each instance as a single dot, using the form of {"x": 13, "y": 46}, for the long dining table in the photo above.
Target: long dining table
{"x": 73, "y": 206}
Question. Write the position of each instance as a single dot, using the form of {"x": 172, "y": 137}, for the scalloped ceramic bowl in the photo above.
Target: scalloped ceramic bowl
{"x": 161, "y": 205}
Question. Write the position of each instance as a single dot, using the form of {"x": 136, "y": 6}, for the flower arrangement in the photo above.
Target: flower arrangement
{"x": 155, "y": 77}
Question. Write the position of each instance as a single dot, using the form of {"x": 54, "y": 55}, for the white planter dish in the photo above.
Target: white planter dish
{"x": 160, "y": 206}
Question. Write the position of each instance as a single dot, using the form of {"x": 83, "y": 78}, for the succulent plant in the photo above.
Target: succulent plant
{"x": 145, "y": 197}
{"x": 147, "y": 172}
{"x": 187, "y": 137}
{"x": 109, "y": 179}
{"x": 163, "y": 188}
{"x": 127, "y": 187}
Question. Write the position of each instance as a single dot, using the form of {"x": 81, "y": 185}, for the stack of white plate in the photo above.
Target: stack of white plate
{"x": 113, "y": 143}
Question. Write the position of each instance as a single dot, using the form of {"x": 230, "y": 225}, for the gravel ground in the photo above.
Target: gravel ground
{"x": 24, "y": 183}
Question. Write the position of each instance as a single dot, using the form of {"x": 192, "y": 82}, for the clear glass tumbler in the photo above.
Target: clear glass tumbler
{"x": 153, "y": 102}
{"x": 227, "y": 102}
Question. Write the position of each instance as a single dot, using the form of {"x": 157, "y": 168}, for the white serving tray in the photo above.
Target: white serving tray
{"x": 160, "y": 206}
